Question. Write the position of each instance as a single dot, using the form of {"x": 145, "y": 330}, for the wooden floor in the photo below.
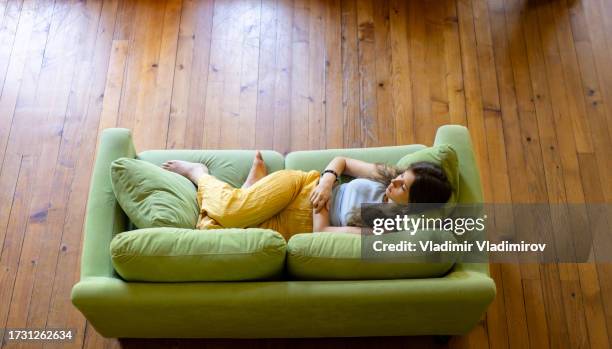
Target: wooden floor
{"x": 531, "y": 79}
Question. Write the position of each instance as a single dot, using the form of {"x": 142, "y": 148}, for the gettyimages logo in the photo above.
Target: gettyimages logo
{"x": 411, "y": 224}
{"x": 481, "y": 233}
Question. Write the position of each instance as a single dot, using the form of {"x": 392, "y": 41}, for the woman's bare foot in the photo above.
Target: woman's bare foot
{"x": 258, "y": 170}
{"x": 191, "y": 170}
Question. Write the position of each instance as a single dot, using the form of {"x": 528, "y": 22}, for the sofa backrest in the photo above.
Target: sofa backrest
{"x": 232, "y": 166}
{"x": 307, "y": 160}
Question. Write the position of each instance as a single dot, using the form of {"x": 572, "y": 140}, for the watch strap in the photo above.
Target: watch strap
{"x": 332, "y": 172}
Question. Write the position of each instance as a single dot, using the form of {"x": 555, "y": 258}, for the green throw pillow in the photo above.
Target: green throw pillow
{"x": 187, "y": 255}
{"x": 444, "y": 156}
{"x": 153, "y": 197}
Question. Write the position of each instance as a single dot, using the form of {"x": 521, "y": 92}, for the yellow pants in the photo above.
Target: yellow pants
{"x": 279, "y": 201}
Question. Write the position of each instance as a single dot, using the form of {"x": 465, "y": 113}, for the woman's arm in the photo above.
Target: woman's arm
{"x": 341, "y": 165}
{"x": 352, "y": 167}
{"x": 320, "y": 223}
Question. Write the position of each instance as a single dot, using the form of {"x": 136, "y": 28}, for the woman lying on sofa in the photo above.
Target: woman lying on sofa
{"x": 293, "y": 201}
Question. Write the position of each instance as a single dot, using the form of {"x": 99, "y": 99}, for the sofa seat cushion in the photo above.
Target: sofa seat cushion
{"x": 153, "y": 197}
{"x": 175, "y": 255}
{"x": 338, "y": 256}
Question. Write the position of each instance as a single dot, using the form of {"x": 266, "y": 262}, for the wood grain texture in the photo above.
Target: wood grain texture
{"x": 530, "y": 78}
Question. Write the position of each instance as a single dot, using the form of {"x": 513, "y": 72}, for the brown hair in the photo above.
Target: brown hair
{"x": 430, "y": 186}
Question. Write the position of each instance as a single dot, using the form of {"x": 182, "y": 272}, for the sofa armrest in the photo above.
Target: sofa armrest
{"x": 104, "y": 217}
{"x": 470, "y": 186}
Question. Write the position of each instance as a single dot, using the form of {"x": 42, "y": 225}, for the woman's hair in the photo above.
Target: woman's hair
{"x": 430, "y": 186}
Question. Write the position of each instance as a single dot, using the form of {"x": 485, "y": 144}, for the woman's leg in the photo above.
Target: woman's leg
{"x": 233, "y": 207}
{"x": 296, "y": 217}
{"x": 194, "y": 170}
{"x": 257, "y": 172}
{"x": 190, "y": 170}
{"x": 288, "y": 192}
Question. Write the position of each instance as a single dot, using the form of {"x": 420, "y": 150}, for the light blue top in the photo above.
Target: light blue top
{"x": 347, "y": 196}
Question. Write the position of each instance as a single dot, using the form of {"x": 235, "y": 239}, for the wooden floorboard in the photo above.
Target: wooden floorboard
{"x": 531, "y": 79}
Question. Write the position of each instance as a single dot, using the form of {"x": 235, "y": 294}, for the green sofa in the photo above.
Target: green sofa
{"x": 448, "y": 305}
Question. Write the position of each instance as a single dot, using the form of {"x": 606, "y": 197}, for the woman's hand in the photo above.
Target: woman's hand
{"x": 320, "y": 223}
{"x": 320, "y": 196}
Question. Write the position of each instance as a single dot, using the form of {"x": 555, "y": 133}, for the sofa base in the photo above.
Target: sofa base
{"x": 450, "y": 305}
